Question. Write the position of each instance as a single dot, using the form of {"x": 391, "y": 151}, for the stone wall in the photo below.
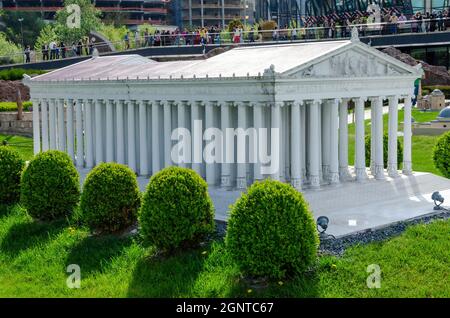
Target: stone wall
{"x": 8, "y": 91}
{"x": 10, "y": 125}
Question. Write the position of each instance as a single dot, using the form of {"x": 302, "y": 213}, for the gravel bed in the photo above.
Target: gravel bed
{"x": 337, "y": 246}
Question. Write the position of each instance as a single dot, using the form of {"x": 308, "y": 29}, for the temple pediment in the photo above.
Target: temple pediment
{"x": 353, "y": 61}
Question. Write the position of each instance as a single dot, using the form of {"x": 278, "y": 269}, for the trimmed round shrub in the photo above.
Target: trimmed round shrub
{"x": 11, "y": 166}
{"x": 176, "y": 211}
{"x": 271, "y": 231}
{"x": 441, "y": 154}
{"x": 110, "y": 198}
{"x": 50, "y": 186}
{"x": 385, "y": 151}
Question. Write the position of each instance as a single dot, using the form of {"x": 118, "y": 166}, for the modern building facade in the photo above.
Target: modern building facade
{"x": 284, "y": 11}
{"x": 190, "y": 13}
{"x": 132, "y": 11}
{"x": 250, "y": 113}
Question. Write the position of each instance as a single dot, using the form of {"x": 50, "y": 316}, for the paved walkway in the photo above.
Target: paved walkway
{"x": 354, "y": 206}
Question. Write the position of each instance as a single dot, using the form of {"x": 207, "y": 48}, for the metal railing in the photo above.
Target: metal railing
{"x": 199, "y": 38}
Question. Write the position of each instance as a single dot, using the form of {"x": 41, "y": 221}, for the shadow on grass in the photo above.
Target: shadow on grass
{"x": 171, "y": 276}
{"x": 22, "y": 236}
{"x": 94, "y": 252}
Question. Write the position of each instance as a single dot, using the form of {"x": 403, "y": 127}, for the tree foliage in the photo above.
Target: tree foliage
{"x": 89, "y": 20}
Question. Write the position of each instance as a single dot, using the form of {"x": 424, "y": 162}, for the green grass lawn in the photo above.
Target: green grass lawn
{"x": 34, "y": 257}
{"x": 23, "y": 145}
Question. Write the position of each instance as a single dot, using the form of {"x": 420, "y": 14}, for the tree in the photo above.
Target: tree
{"x": 46, "y": 36}
{"x": 32, "y": 25}
{"x": 9, "y": 52}
{"x": 89, "y": 21}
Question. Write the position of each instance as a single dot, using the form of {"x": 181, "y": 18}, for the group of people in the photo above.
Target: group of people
{"x": 146, "y": 38}
{"x": 373, "y": 22}
{"x": 59, "y": 50}
{"x": 370, "y": 22}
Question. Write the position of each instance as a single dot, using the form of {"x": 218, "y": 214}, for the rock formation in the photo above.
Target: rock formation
{"x": 8, "y": 91}
{"x": 434, "y": 75}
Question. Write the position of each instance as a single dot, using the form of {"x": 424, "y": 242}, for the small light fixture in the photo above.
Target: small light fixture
{"x": 322, "y": 221}
{"x": 437, "y": 197}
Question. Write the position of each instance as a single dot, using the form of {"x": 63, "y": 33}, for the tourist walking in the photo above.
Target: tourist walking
{"x": 27, "y": 54}
{"x": 44, "y": 51}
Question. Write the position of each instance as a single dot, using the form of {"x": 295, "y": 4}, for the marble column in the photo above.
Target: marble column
{"x": 225, "y": 175}
{"x": 209, "y": 123}
{"x": 181, "y": 119}
{"x": 360, "y": 151}
{"x": 36, "y": 127}
{"x": 156, "y": 165}
{"x": 407, "y": 135}
{"x": 392, "y": 143}
{"x": 131, "y": 128}
{"x": 344, "y": 173}
{"x": 333, "y": 175}
{"x": 378, "y": 138}
{"x": 372, "y": 136}
{"x": 52, "y": 124}
{"x": 98, "y": 132}
{"x": 326, "y": 136}
{"x": 241, "y": 175}
{"x": 110, "y": 130}
{"x": 70, "y": 139}
{"x": 79, "y": 132}
{"x": 120, "y": 132}
{"x": 61, "y": 125}
{"x": 296, "y": 162}
{"x": 303, "y": 140}
{"x": 167, "y": 134}
{"x": 88, "y": 132}
{"x": 197, "y": 141}
{"x": 314, "y": 144}
{"x": 44, "y": 113}
{"x": 258, "y": 125}
{"x": 143, "y": 153}
{"x": 276, "y": 124}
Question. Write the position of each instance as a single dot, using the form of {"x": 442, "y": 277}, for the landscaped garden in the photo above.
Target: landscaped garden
{"x": 47, "y": 222}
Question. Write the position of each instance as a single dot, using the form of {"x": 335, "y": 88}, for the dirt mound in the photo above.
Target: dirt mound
{"x": 434, "y": 75}
{"x": 8, "y": 91}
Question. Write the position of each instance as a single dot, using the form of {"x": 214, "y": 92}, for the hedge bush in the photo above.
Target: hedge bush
{"x": 176, "y": 210}
{"x": 16, "y": 74}
{"x": 110, "y": 198}
{"x": 50, "y": 186}
{"x": 11, "y": 166}
{"x": 385, "y": 151}
{"x": 441, "y": 154}
{"x": 12, "y": 106}
{"x": 271, "y": 231}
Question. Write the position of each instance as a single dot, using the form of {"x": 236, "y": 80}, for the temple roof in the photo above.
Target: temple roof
{"x": 240, "y": 61}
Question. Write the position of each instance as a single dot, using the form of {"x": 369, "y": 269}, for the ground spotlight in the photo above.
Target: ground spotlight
{"x": 438, "y": 200}
{"x": 322, "y": 222}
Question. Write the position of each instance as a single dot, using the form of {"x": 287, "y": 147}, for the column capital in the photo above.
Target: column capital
{"x": 360, "y": 98}
{"x": 375, "y": 98}
{"x": 407, "y": 97}
{"x": 392, "y": 97}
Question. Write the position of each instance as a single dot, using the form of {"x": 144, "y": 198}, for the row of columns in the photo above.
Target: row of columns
{"x": 313, "y": 138}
